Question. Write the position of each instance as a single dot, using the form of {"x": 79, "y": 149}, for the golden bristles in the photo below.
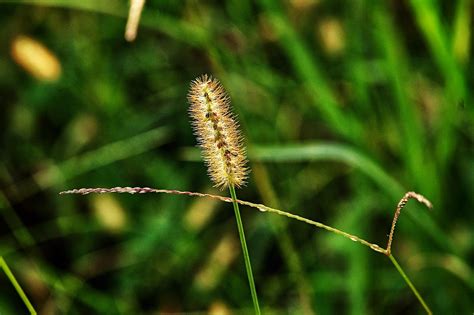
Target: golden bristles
{"x": 217, "y": 132}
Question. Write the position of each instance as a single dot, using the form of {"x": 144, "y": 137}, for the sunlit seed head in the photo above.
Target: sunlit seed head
{"x": 35, "y": 58}
{"x": 217, "y": 132}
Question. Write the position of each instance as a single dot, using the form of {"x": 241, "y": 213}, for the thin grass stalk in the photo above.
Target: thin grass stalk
{"x": 410, "y": 284}
{"x": 260, "y": 207}
{"x": 243, "y": 242}
{"x": 16, "y": 285}
{"x": 401, "y": 204}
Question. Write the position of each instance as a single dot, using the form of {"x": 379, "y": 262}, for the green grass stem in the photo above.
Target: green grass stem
{"x": 410, "y": 284}
{"x": 248, "y": 266}
{"x": 16, "y": 285}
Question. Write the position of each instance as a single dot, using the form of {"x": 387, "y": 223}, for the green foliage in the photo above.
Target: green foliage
{"x": 345, "y": 106}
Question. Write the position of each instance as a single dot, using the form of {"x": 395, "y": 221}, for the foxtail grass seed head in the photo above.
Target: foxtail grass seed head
{"x": 217, "y": 132}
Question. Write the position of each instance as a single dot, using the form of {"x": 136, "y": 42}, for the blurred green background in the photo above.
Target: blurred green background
{"x": 345, "y": 106}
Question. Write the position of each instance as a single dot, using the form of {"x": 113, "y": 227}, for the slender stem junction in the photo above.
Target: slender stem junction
{"x": 248, "y": 266}
{"x": 410, "y": 284}
{"x": 16, "y": 285}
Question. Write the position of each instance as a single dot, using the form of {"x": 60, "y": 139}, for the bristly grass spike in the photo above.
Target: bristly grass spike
{"x": 217, "y": 132}
{"x": 223, "y": 151}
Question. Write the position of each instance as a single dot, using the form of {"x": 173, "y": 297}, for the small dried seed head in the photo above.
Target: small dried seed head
{"x": 217, "y": 132}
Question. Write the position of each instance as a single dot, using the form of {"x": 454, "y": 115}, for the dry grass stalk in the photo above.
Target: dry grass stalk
{"x": 263, "y": 208}
{"x": 136, "y": 8}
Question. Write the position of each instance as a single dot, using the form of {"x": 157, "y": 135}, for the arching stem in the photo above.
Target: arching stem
{"x": 400, "y": 206}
